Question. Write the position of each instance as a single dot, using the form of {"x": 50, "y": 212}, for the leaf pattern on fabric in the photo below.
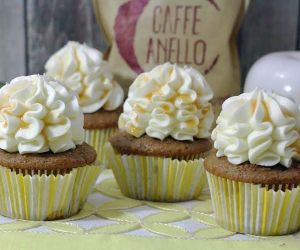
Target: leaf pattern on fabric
{"x": 107, "y": 211}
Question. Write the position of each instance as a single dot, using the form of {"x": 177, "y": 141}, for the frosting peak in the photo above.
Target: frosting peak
{"x": 38, "y": 114}
{"x": 259, "y": 127}
{"x": 83, "y": 70}
{"x": 168, "y": 101}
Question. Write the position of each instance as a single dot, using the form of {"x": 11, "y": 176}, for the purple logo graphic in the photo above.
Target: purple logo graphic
{"x": 125, "y": 28}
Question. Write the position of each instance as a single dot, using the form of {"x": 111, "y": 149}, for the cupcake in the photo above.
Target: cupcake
{"x": 254, "y": 173}
{"x": 46, "y": 171}
{"x": 83, "y": 70}
{"x": 158, "y": 153}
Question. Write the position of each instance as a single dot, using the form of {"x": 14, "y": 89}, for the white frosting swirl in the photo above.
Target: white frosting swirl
{"x": 259, "y": 127}
{"x": 38, "y": 114}
{"x": 82, "y": 69}
{"x": 168, "y": 101}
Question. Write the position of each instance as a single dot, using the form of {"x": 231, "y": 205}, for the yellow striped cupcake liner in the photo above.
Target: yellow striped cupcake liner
{"x": 97, "y": 139}
{"x": 255, "y": 209}
{"x": 156, "y": 178}
{"x": 43, "y": 196}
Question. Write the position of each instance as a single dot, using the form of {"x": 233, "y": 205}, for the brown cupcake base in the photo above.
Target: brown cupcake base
{"x": 251, "y": 173}
{"x": 102, "y": 119}
{"x": 124, "y": 143}
{"x": 81, "y": 156}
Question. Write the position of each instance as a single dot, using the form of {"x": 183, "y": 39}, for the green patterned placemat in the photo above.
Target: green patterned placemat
{"x": 108, "y": 215}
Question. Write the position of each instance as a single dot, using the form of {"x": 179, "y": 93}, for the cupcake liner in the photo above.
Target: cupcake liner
{"x": 43, "y": 195}
{"x": 157, "y": 178}
{"x": 97, "y": 138}
{"x": 255, "y": 209}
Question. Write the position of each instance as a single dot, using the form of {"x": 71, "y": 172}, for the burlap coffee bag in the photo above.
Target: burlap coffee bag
{"x": 200, "y": 33}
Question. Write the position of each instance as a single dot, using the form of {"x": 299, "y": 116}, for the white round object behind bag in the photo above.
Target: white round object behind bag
{"x": 278, "y": 72}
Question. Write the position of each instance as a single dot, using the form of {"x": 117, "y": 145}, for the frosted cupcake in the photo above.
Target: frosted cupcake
{"x": 83, "y": 70}
{"x": 164, "y": 129}
{"x": 254, "y": 175}
{"x": 46, "y": 171}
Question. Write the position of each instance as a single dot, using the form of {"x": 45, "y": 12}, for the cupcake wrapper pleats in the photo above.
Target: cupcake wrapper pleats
{"x": 255, "y": 209}
{"x": 156, "y": 178}
{"x": 97, "y": 138}
{"x": 45, "y": 196}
